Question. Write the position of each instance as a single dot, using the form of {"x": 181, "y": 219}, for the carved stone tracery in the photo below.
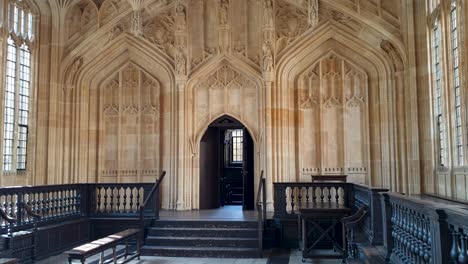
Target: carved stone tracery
{"x": 130, "y": 105}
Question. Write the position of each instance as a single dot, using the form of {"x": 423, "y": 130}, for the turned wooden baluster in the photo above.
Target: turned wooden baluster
{"x": 455, "y": 250}
{"x": 118, "y": 200}
{"x": 307, "y": 195}
{"x": 322, "y": 196}
{"x": 105, "y": 199}
{"x": 125, "y": 200}
{"x": 137, "y": 200}
{"x": 99, "y": 200}
{"x": 131, "y": 200}
{"x": 463, "y": 255}
{"x": 337, "y": 195}
{"x": 314, "y": 193}
{"x": 329, "y": 194}
{"x": 299, "y": 197}
{"x": 292, "y": 199}
{"x": 111, "y": 199}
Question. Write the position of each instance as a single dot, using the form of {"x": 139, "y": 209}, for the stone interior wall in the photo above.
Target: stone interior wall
{"x": 126, "y": 89}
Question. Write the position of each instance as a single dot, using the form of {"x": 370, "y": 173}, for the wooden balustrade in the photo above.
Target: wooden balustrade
{"x": 60, "y": 202}
{"x": 122, "y": 198}
{"x": 291, "y": 196}
{"x": 457, "y": 219}
{"x": 422, "y": 230}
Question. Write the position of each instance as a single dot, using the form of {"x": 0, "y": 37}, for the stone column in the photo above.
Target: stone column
{"x": 268, "y": 67}
{"x": 183, "y": 182}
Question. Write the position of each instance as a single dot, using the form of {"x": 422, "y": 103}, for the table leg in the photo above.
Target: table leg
{"x": 102, "y": 257}
{"x": 126, "y": 249}
{"x": 114, "y": 254}
{"x": 138, "y": 248}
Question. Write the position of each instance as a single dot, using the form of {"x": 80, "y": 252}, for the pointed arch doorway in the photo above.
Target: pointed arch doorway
{"x": 226, "y": 165}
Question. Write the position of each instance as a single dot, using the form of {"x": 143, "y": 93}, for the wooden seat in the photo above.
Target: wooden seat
{"x": 110, "y": 242}
{"x": 350, "y": 224}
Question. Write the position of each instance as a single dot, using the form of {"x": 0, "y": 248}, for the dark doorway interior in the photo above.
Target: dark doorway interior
{"x": 226, "y": 165}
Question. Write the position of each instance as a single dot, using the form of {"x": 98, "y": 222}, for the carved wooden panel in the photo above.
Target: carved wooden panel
{"x": 131, "y": 126}
{"x": 332, "y": 98}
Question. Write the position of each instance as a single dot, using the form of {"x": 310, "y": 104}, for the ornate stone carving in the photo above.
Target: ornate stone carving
{"x": 342, "y": 19}
{"x": 310, "y": 97}
{"x": 268, "y": 21}
{"x": 136, "y": 22}
{"x": 291, "y": 22}
{"x": 313, "y": 12}
{"x": 70, "y": 73}
{"x": 267, "y": 62}
{"x": 180, "y": 17}
{"x": 391, "y": 50}
{"x": 224, "y": 77}
{"x": 180, "y": 63}
{"x": 223, "y": 12}
{"x": 115, "y": 32}
{"x": 160, "y": 31}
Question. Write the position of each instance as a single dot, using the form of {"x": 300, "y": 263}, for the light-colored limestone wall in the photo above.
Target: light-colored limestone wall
{"x": 127, "y": 89}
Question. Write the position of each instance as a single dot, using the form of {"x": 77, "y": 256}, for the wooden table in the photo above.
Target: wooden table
{"x": 321, "y": 231}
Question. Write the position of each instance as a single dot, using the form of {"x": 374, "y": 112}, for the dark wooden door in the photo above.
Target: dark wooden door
{"x": 248, "y": 171}
{"x": 209, "y": 169}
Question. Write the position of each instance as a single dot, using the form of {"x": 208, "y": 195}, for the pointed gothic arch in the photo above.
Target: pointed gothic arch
{"x": 382, "y": 92}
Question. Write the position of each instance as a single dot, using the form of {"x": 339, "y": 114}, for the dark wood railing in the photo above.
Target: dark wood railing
{"x": 57, "y": 203}
{"x": 419, "y": 230}
{"x": 151, "y": 199}
{"x": 261, "y": 212}
{"x": 457, "y": 220}
{"x": 118, "y": 199}
{"x": 291, "y": 196}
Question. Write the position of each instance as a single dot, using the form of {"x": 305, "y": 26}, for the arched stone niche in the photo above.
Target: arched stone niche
{"x": 339, "y": 96}
{"x": 332, "y": 117}
{"x": 130, "y": 126}
{"x": 226, "y": 91}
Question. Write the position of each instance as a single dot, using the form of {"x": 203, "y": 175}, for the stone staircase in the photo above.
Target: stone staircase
{"x": 216, "y": 239}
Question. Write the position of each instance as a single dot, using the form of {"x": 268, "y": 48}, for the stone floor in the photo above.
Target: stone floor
{"x": 279, "y": 256}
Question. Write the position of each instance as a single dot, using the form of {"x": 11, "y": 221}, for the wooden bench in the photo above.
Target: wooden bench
{"x": 8, "y": 261}
{"x": 110, "y": 242}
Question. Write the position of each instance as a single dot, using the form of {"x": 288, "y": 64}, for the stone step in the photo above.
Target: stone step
{"x": 204, "y": 252}
{"x": 202, "y": 241}
{"x": 202, "y": 232}
{"x": 206, "y": 224}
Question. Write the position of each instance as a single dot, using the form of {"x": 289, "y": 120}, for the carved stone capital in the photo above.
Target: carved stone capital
{"x": 391, "y": 50}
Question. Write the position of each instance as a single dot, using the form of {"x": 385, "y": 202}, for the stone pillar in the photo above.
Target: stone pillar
{"x": 183, "y": 154}
{"x": 268, "y": 66}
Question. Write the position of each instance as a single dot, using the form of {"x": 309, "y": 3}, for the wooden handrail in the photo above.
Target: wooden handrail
{"x": 261, "y": 211}
{"x": 145, "y": 203}
{"x": 29, "y": 211}
{"x": 11, "y": 220}
{"x": 155, "y": 187}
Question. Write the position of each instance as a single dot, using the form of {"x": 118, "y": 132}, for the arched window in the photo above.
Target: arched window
{"x": 448, "y": 93}
{"x": 17, "y": 85}
{"x": 438, "y": 95}
{"x": 455, "y": 54}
